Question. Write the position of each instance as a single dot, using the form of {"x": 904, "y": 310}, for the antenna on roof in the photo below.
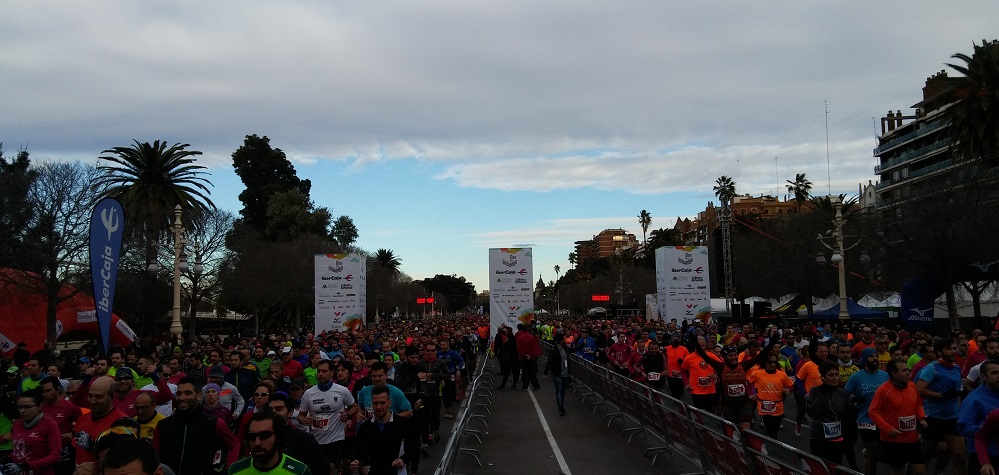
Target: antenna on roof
{"x": 828, "y": 172}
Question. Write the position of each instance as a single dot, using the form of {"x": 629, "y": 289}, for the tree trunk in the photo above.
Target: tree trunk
{"x": 952, "y": 308}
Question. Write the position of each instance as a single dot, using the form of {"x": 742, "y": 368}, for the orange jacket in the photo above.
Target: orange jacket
{"x": 894, "y": 408}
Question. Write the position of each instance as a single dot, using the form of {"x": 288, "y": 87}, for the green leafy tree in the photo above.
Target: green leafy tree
{"x": 345, "y": 232}
{"x": 16, "y": 177}
{"x": 974, "y": 117}
{"x": 266, "y": 172}
{"x": 724, "y": 189}
{"x": 457, "y": 292}
{"x": 291, "y": 214}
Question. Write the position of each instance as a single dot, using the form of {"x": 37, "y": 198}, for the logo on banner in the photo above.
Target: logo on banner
{"x": 86, "y": 316}
{"x": 105, "y": 245}
{"x": 512, "y": 262}
{"x": 336, "y": 268}
{"x": 686, "y": 260}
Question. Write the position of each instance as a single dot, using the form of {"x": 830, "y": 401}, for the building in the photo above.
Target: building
{"x": 606, "y": 243}
{"x": 698, "y": 231}
{"x": 913, "y": 150}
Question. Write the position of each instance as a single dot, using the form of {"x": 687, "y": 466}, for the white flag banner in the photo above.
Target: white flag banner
{"x": 511, "y": 287}
{"x": 683, "y": 283}
{"x": 340, "y": 292}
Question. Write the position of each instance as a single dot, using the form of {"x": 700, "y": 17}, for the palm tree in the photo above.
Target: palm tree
{"x": 801, "y": 187}
{"x": 557, "y": 269}
{"x": 150, "y": 180}
{"x": 724, "y": 189}
{"x": 644, "y": 219}
{"x": 387, "y": 260}
{"x": 974, "y": 118}
{"x": 572, "y": 260}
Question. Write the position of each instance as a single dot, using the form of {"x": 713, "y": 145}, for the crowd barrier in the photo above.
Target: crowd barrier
{"x": 714, "y": 444}
{"x": 478, "y": 396}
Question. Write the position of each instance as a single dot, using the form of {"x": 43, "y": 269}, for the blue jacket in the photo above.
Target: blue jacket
{"x": 972, "y": 414}
{"x": 453, "y": 359}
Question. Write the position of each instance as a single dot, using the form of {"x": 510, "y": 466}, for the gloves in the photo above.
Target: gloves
{"x": 84, "y": 441}
{"x": 13, "y": 468}
{"x": 66, "y": 453}
{"x": 951, "y": 393}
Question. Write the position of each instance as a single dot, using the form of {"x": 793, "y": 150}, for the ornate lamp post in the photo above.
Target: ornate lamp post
{"x": 838, "y": 251}
{"x": 179, "y": 266}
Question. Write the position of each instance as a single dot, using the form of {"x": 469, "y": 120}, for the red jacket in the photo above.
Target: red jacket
{"x": 528, "y": 347}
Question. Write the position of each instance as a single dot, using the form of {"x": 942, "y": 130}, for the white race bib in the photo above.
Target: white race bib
{"x": 768, "y": 407}
{"x": 907, "y": 423}
{"x": 674, "y": 374}
{"x": 704, "y": 381}
{"x": 866, "y": 426}
{"x": 653, "y": 376}
{"x": 321, "y": 423}
{"x": 832, "y": 430}
{"x": 736, "y": 390}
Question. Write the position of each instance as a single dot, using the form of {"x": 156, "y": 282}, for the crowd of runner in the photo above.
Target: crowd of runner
{"x": 364, "y": 401}
{"x": 909, "y": 398}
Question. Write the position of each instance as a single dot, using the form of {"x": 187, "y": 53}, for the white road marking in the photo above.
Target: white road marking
{"x": 548, "y": 433}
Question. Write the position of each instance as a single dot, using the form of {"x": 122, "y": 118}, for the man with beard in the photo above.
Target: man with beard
{"x": 99, "y": 369}
{"x": 124, "y": 398}
{"x": 266, "y": 434}
{"x": 861, "y": 387}
{"x": 675, "y": 353}
{"x": 263, "y": 363}
{"x": 380, "y": 439}
{"x": 897, "y": 410}
{"x": 298, "y": 444}
{"x": 939, "y": 384}
{"x": 191, "y": 441}
{"x": 653, "y": 366}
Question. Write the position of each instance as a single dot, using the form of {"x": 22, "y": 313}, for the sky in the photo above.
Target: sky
{"x": 445, "y": 128}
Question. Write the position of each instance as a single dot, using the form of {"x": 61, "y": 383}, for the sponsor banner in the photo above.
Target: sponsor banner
{"x": 86, "y": 316}
{"x": 340, "y": 292}
{"x": 683, "y": 283}
{"x": 6, "y": 344}
{"x": 106, "y": 228}
{"x": 125, "y": 330}
{"x": 917, "y": 301}
{"x": 511, "y": 287}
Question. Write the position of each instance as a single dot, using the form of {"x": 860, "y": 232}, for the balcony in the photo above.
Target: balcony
{"x": 940, "y": 144}
{"x": 898, "y": 141}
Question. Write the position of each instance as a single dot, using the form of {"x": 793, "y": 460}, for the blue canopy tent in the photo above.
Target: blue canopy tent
{"x": 855, "y": 310}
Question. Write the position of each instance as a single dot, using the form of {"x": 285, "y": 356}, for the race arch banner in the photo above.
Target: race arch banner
{"x": 511, "y": 287}
{"x": 682, "y": 282}
{"x": 340, "y": 292}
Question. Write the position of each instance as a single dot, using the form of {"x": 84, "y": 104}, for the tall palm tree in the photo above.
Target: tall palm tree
{"x": 572, "y": 260}
{"x": 974, "y": 118}
{"x": 387, "y": 260}
{"x": 801, "y": 187}
{"x": 557, "y": 269}
{"x": 724, "y": 189}
{"x": 151, "y": 179}
{"x": 644, "y": 219}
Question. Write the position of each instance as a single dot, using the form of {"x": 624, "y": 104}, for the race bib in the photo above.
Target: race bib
{"x": 866, "y": 426}
{"x": 907, "y": 423}
{"x": 452, "y": 377}
{"x": 768, "y": 407}
{"x": 321, "y": 422}
{"x": 674, "y": 374}
{"x": 704, "y": 381}
{"x": 832, "y": 430}
{"x": 653, "y": 376}
{"x": 587, "y": 350}
{"x": 736, "y": 390}
{"x": 218, "y": 457}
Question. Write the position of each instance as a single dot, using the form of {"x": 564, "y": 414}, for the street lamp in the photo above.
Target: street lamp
{"x": 838, "y": 252}
{"x": 180, "y": 265}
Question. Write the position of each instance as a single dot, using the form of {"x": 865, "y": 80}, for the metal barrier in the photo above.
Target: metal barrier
{"x": 712, "y": 443}
{"x": 480, "y": 389}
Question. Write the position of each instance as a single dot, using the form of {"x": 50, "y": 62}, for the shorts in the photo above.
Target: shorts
{"x": 897, "y": 454}
{"x": 333, "y": 450}
{"x": 937, "y": 429}
{"x": 738, "y": 412}
{"x": 869, "y": 435}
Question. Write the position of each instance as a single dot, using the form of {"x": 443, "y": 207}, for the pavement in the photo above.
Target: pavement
{"x": 526, "y": 435}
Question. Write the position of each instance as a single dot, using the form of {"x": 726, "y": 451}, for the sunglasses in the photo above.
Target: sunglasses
{"x": 263, "y": 435}
{"x": 26, "y": 407}
{"x": 261, "y": 394}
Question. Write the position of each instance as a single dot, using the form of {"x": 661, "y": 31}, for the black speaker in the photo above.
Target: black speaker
{"x": 761, "y": 308}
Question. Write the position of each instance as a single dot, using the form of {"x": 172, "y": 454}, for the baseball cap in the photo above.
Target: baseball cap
{"x": 271, "y": 353}
{"x": 83, "y": 359}
{"x": 12, "y": 370}
{"x": 286, "y": 349}
{"x": 216, "y": 372}
{"x": 123, "y": 372}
